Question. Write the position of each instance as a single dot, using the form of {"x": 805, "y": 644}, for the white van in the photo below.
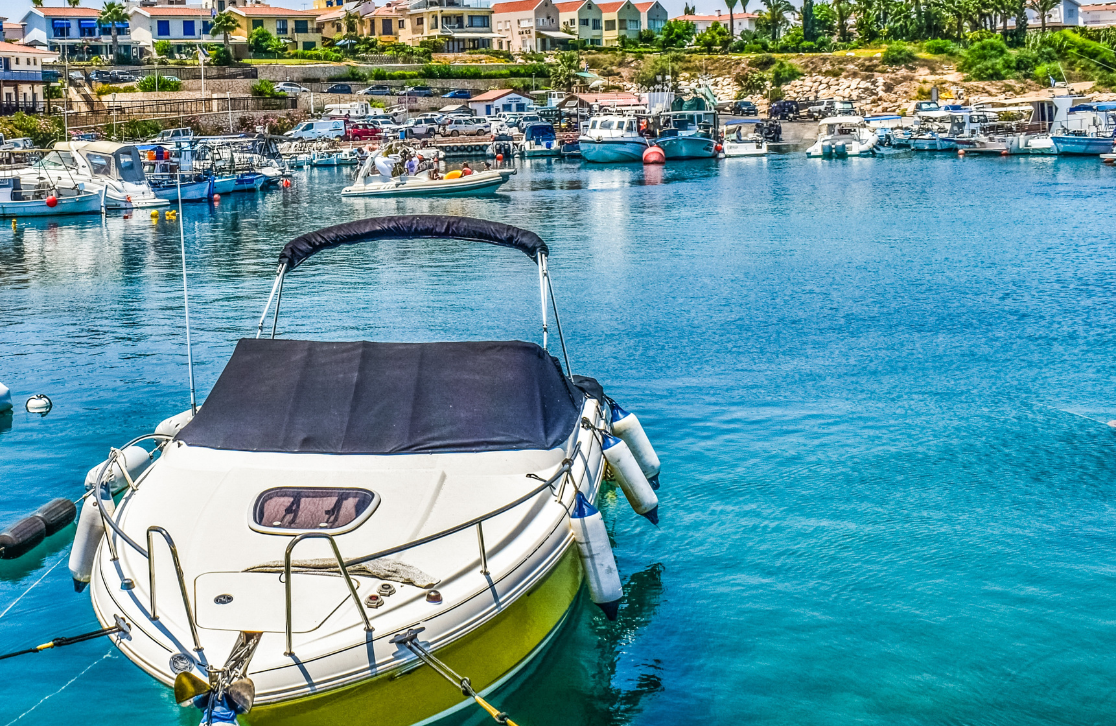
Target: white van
{"x": 324, "y": 129}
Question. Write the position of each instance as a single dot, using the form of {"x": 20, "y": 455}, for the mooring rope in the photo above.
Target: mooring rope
{"x": 43, "y": 577}
{"x": 68, "y": 684}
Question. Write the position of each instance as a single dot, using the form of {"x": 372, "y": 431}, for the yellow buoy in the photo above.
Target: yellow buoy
{"x": 154, "y": 214}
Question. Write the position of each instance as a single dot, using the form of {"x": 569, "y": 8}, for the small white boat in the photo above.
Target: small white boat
{"x": 742, "y": 139}
{"x": 342, "y": 157}
{"x": 46, "y": 200}
{"x": 539, "y": 140}
{"x": 116, "y": 168}
{"x": 374, "y": 179}
{"x": 343, "y": 526}
{"x": 841, "y": 136}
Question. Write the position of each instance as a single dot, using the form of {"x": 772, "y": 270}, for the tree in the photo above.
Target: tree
{"x": 73, "y": 3}
{"x": 775, "y": 13}
{"x": 563, "y": 74}
{"x": 675, "y": 34}
{"x": 261, "y": 41}
{"x": 841, "y": 12}
{"x": 689, "y": 9}
{"x": 732, "y": 6}
{"x": 714, "y": 37}
{"x": 37, "y": 3}
{"x": 163, "y": 48}
{"x": 223, "y": 24}
{"x": 809, "y": 22}
{"x": 112, "y": 14}
{"x": 351, "y": 23}
{"x": 1041, "y": 8}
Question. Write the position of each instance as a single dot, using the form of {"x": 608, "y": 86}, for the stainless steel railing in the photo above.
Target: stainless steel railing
{"x": 344, "y": 572}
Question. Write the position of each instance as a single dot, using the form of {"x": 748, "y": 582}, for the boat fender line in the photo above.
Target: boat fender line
{"x": 597, "y": 559}
{"x": 90, "y": 529}
{"x": 136, "y": 459}
{"x": 23, "y": 536}
{"x": 627, "y": 427}
{"x": 121, "y": 626}
{"x": 5, "y": 398}
{"x": 409, "y": 640}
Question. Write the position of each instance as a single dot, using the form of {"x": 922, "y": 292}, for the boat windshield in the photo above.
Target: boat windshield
{"x": 99, "y": 164}
{"x": 607, "y": 124}
{"x": 57, "y": 160}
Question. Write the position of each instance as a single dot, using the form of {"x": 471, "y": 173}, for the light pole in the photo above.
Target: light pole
{"x": 114, "y": 115}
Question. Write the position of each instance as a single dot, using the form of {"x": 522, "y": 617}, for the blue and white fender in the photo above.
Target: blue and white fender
{"x": 627, "y": 427}
{"x": 630, "y": 477}
{"x": 596, "y": 556}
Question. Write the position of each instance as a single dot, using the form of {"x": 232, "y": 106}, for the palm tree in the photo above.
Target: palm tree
{"x": 111, "y": 14}
{"x": 73, "y": 3}
{"x": 1042, "y": 7}
{"x": 731, "y": 6}
{"x": 351, "y": 23}
{"x": 776, "y": 15}
{"x": 37, "y": 3}
{"x": 842, "y": 10}
{"x": 223, "y": 24}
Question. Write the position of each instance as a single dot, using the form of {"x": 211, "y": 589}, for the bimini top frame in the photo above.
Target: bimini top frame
{"x": 419, "y": 226}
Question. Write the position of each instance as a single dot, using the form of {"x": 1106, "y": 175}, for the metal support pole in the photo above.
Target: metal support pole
{"x": 542, "y": 293}
{"x": 480, "y": 544}
{"x": 181, "y": 581}
{"x": 267, "y": 306}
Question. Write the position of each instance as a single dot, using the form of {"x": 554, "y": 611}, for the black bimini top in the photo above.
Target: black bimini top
{"x": 387, "y": 398}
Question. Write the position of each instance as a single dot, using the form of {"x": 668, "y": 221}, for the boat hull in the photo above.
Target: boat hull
{"x": 687, "y": 147}
{"x": 191, "y": 192}
{"x": 1083, "y": 145}
{"x": 421, "y": 187}
{"x": 488, "y": 655}
{"x": 612, "y": 151}
{"x": 83, "y": 204}
{"x": 933, "y": 144}
{"x": 745, "y": 148}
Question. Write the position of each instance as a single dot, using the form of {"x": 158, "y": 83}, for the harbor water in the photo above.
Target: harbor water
{"x": 878, "y": 388}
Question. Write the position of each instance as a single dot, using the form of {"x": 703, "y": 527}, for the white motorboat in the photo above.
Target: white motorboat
{"x": 350, "y": 528}
{"x": 96, "y": 165}
{"x": 840, "y": 136}
{"x": 378, "y": 178}
{"x": 743, "y": 139}
{"x": 341, "y": 157}
{"x": 44, "y": 199}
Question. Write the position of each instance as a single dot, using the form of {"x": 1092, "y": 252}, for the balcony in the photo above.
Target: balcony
{"x": 22, "y": 76}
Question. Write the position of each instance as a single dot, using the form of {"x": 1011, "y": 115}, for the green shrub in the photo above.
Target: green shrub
{"x": 164, "y": 48}
{"x": 940, "y": 46}
{"x": 378, "y": 74}
{"x": 988, "y": 60}
{"x": 266, "y": 89}
{"x": 139, "y": 129}
{"x": 753, "y": 47}
{"x": 763, "y": 62}
{"x": 808, "y": 46}
{"x": 898, "y": 54}
{"x": 106, "y": 90}
{"x": 752, "y": 82}
{"x": 351, "y": 74}
{"x": 220, "y": 56}
{"x": 1045, "y": 71}
{"x": 783, "y": 73}
{"x": 148, "y": 84}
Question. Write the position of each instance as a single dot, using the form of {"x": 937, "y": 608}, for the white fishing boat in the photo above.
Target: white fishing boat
{"x": 340, "y": 157}
{"x": 356, "y": 528}
{"x": 116, "y": 168}
{"x": 44, "y": 199}
{"x": 378, "y": 178}
{"x": 611, "y": 139}
{"x": 539, "y": 140}
{"x": 687, "y": 134}
{"x": 841, "y": 136}
{"x": 742, "y": 138}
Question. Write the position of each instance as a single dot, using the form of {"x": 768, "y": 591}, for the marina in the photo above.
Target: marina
{"x": 878, "y": 431}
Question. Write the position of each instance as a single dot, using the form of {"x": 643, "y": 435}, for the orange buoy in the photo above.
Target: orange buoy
{"x": 216, "y": 197}
{"x": 960, "y": 152}
{"x": 52, "y": 201}
{"x": 286, "y": 183}
{"x": 718, "y": 148}
{"x": 1004, "y": 152}
{"x": 653, "y": 155}
{"x": 499, "y": 157}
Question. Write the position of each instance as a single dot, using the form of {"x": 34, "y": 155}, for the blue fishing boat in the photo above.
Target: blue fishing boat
{"x": 194, "y": 187}
{"x": 612, "y": 139}
{"x": 687, "y": 134}
{"x": 1087, "y": 130}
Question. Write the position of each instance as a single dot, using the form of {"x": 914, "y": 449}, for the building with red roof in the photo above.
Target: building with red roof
{"x": 620, "y": 19}
{"x": 529, "y": 26}
{"x": 582, "y": 18}
{"x": 740, "y": 21}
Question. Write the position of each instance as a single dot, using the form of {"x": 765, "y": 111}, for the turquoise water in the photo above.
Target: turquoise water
{"x": 878, "y": 388}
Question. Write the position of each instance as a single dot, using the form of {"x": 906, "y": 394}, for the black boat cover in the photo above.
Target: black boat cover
{"x": 387, "y": 398}
{"x": 412, "y": 226}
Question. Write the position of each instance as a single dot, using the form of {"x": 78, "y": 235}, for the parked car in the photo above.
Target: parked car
{"x": 76, "y": 77}
{"x": 362, "y": 131}
{"x": 425, "y": 91}
{"x": 831, "y": 107}
{"x": 375, "y": 91}
{"x": 785, "y": 110}
{"x": 744, "y": 108}
{"x": 339, "y": 88}
{"x": 22, "y": 142}
{"x": 458, "y": 93}
{"x": 291, "y": 89}
{"x": 423, "y": 126}
{"x": 325, "y": 129}
{"x": 122, "y": 77}
{"x": 926, "y": 106}
{"x": 464, "y": 126}
{"x": 99, "y": 77}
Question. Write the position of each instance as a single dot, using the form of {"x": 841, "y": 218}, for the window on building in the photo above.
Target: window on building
{"x": 584, "y": 21}
{"x": 302, "y": 26}
{"x": 623, "y": 24}
{"x": 329, "y": 3}
{"x": 88, "y": 28}
{"x": 308, "y": 45}
{"x": 596, "y": 23}
{"x": 61, "y": 28}
{"x": 188, "y": 28}
{"x": 162, "y": 28}
{"x": 281, "y": 26}
{"x": 257, "y": 24}
{"x": 634, "y": 24}
{"x": 433, "y": 21}
{"x": 220, "y": 6}
{"x": 479, "y": 21}
{"x": 206, "y": 27}
{"x": 610, "y": 25}
{"x": 403, "y": 24}
{"x": 385, "y": 27}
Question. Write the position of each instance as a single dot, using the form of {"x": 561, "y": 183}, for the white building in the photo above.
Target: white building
{"x": 183, "y": 26}
{"x": 740, "y": 21}
{"x": 75, "y": 32}
{"x": 1068, "y": 13}
{"x": 1098, "y": 16}
{"x": 500, "y": 100}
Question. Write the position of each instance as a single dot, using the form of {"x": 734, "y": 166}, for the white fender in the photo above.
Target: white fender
{"x": 601, "y": 573}
{"x": 5, "y": 398}
{"x": 136, "y": 461}
{"x": 627, "y": 427}
{"x": 630, "y": 477}
{"x": 174, "y": 424}
{"x": 87, "y": 539}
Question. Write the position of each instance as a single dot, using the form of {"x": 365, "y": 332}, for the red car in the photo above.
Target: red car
{"x": 362, "y": 131}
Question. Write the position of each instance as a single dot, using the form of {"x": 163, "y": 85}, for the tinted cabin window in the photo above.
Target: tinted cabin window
{"x": 306, "y": 508}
